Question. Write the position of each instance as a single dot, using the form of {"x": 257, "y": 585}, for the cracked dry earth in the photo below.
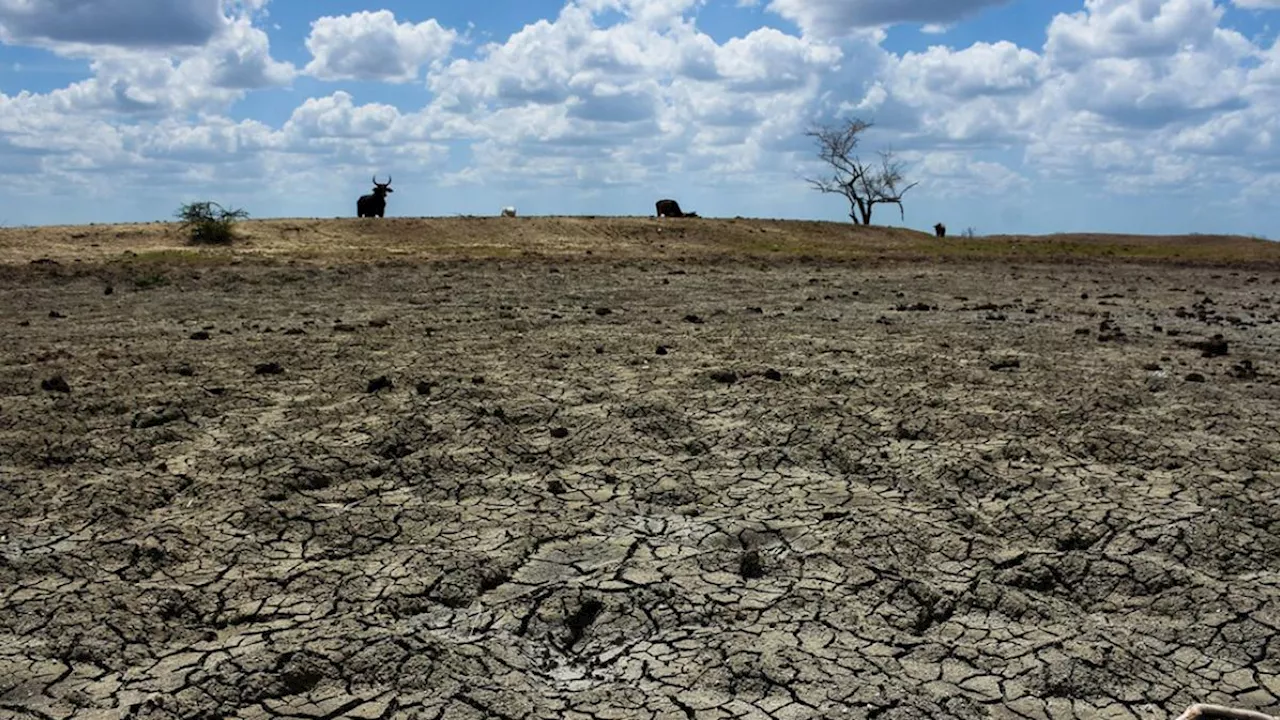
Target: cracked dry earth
{"x": 487, "y": 490}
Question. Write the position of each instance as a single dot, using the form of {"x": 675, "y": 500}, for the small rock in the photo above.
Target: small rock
{"x": 1006, "y": 364}
{"x": 184, "y": 370}
{"x": 382, "y": 382}
{"x": 694, "y": 319}
{"x": 559, "y": 433}
{"x": 155, "y": 418}
{"x": 1194, "y": 377}
{"x": 602, "y": 311}
{"x": 477, "y": 380}
{"x": 750, "y": 566}
{"x": 108, "y": 290}
{"x": 57, "y": 383}
{"x": 599, "y": 349}
{"x": 423, "y": 387}
{"x": 555, "y": 487}
{"x": 379, "y": 323}
{"x": 662, "y": 350}
{"x": 343, "y": 327}
{"x": 56, "y": 315}
{"x": 727, "y": 377}
{"x": 269, "y": 368}
{"x": 1243, "y": 370}
{"x": 200, "y": 335}
{"x": 773, "y": 375}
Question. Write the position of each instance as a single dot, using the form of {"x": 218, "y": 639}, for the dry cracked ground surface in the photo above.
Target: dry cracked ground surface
{"x": 648, "y": 490}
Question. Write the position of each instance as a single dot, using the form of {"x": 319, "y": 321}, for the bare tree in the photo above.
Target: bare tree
{"x": 864, "y": 185}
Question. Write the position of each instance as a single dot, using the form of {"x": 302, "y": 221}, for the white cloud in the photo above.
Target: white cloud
{"x": 374, "y": 46}
{"x": 833, "y": 18}
{"x": 127, "y": 23}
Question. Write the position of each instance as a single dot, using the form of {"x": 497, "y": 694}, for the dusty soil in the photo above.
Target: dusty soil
{"x": 648, "y": 489}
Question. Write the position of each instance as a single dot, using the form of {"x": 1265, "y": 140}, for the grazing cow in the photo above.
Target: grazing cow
{"x": 375, "y": 204}
{"x": 508, "y": 211}
{"x": 940, "y": 230}
{"x": 671, "y": 208}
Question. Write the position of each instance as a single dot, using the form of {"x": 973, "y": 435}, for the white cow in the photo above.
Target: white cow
{"x": 508, "y": 211}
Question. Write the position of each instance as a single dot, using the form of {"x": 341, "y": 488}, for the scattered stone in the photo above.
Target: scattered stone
{"x": 156, "y": 418}
{"x": 1213, "y": 347}
{"x": 200, "y": 335}
{"x": 694, "y": 319}
{"x": 1243, "y": 370}
{"x": 755, "y": 310}
{"x": 57, "y": 383}
{"x": 559, "y": 433}
{"x": 750, "y": 566}
{"x": 1194, "y": 377}
{"x": 599, "y": 349}
{"x": 555, "y": 487}
{"x": 423, "y": 387}
{"x": 581, "y": 620}
{"x": 382, "y": 382}
{"x": 773, "y": 375}
{"x": 662, "y": 350}
{"x": 268, "y": 368}
{"x": 727, "y": 377}
{"x": 1006, "y": 364}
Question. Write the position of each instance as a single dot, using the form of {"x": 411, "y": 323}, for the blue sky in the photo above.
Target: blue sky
{"x": 1015, "y": 116}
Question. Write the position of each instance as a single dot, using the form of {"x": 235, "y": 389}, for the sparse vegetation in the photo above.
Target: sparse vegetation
{"x": 863, "y": 184}
{"x": 208, "y": 223}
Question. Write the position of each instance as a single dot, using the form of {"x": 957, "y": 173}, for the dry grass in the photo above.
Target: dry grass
{"x": 603, "y": 238}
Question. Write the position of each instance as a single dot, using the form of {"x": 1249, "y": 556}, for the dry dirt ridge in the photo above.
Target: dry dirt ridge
{"x": 539, "y": 487}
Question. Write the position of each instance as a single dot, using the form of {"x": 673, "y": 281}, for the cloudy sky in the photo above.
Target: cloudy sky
{"x": 1015, "y": 115}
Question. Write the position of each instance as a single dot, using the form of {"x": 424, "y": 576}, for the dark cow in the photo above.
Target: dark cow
{"x": 671, "y": 208}
{"x": 940, "y": 230}
{"x": 375, "y": 204}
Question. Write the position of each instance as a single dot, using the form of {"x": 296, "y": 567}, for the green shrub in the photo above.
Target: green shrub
{"x": 208, "y": 223}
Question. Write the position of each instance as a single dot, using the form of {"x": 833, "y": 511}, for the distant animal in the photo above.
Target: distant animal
{"x": 508, "y": 211}
{"x": 940, "y": 230}
{"x": 374, "y": 204}
{"x": 671, "y": 208}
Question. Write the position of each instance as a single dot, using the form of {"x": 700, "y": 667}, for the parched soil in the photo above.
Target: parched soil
{"x": 544, "y": 488}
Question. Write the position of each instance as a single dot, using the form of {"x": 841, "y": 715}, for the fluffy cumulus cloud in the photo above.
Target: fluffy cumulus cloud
{"x": 374, "y": 46}
{"x": 1157, "y": 98}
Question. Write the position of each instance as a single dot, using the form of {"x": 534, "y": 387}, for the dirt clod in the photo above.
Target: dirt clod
{"x": 57, "y": 383}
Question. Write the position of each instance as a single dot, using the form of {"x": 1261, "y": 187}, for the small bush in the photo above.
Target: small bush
{"x": 208, "y": 223}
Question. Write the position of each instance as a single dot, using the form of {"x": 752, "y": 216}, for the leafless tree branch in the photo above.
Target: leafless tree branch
{"x": 864, "y": 185}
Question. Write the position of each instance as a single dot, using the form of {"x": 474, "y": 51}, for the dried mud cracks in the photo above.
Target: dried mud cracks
{"x": 477, "y": 491}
